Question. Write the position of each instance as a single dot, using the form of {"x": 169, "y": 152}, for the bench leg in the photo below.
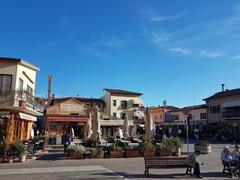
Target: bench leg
{"x": 146, "y": 172}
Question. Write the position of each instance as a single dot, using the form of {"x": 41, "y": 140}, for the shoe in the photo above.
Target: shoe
{"x": 199, "y": 176}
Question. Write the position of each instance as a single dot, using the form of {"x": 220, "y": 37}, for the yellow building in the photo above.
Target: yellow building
{"x": 17, "y": 109}
{"x": 119, "y": 104}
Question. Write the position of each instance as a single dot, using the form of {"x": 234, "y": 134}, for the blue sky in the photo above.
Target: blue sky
{"x": 174, "y": 50}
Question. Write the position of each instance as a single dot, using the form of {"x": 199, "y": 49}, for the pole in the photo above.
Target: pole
{"x": 187, "y": 140}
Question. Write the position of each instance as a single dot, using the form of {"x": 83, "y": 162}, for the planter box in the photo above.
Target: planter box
{"x": 73, "y": 155}
{"x": 149, "y": 153}
{"x": 116, "y": 154}
{"x": 204, "y": 149}
{"x": 99, "y": 155}
{"x": 133, "y": 154}
{"x": 1, "y": 159}
{"x": 164, "y": 152}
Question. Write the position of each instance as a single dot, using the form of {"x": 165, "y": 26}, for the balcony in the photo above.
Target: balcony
{"x": 11, "y": 98}
{"x": 231, "y": 114}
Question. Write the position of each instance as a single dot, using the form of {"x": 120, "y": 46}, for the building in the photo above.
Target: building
{"x": 75, "y": 113}
{"x": 162, "y": 114}
{"x": 119, "y": 105}
{"x": 224, "y": 108}
{"x": 18, "y": 110}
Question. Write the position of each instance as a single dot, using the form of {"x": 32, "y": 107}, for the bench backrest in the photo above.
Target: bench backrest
{"x": 168, "y": 160}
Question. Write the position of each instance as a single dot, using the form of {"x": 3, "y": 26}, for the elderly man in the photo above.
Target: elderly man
{"x": 228, "y": 160}
{"x": 193, "y": 162}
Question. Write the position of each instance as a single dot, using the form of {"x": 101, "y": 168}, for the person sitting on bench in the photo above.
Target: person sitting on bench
{"x": 228, "y": 160}
{"x": 193, "y": 162}
{"x": 236, "y": 154}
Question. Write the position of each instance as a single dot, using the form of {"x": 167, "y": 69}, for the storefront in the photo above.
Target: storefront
{"x": 69, "y": 117}
{"x": 17, "y": 123}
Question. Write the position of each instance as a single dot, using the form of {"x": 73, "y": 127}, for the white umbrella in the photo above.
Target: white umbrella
{"x": 126, "y": 127}
{"x": 98, "y": 126}
{"x": 149, "y": 125}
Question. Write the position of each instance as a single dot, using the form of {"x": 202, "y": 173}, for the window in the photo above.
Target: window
{"x": 155, "y": 117}
{"x": 176, "y": 117}
{"x": 124, "y": 104}
{"x": 123, "y": 115}
{"x": 203, "y": 115}
{"x": 214, "y": 109}
{"x": 114, "y": 116}
{"x": 29, "y": 92}
{"x": 160, "y": 116}
{"x": 114, "y": 103}
{"x": 5, "y": 82}
{"x": 20, "y": 87}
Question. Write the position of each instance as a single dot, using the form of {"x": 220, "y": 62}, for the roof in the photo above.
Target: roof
{"x": 226, "y": 93}
{"x": 171, "y": 108}
{"x": 193, "y": 107}
{"x": 119, "y": 91}
{"x": 77, "y": 98}
{"x": 20, "y": 61}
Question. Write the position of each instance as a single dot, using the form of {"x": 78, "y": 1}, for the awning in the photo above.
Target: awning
{"x": 231, "y": 104}
{"x": 67, "y": 119}
{"x": 27, "y": 117}
{"x": 115, "y": 122}
{"x": 20, "y": 109}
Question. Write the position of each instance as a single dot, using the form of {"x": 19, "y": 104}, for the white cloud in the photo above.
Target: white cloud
{"x": 235, "y": 57}
{"x": 211, "y": 54}
{"x": 158, "y": 18}
{"x": 180, "y": 50}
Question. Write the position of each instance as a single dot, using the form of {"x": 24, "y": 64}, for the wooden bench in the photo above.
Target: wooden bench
{"x": 164, "y": 162}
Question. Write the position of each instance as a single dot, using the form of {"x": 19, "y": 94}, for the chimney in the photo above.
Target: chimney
{"x": 49, "y": 88}
{"x": 223, "y": 87}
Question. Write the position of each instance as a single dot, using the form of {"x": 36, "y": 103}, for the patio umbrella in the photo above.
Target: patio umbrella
{"x": 96, "y": 125}
{"x": 126, "y": 127}
{"x": 149, "y": 125}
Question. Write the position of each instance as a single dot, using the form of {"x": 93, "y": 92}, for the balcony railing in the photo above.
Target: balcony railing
{"x": 11, "y": 98}
{"x": 230, "y": 114}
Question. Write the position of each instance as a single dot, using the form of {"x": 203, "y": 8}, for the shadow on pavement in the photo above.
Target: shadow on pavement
{"x": 164, "y": 176}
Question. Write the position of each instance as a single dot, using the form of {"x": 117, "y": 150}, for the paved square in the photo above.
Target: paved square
{"x": 124, "y": 168}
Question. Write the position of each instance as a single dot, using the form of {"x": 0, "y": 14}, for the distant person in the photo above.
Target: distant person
{"x": 228, "y": 160}
{"x": 66, "y": 142}
{"x": 192, "y": 161}
{"x": 236, "y": 154}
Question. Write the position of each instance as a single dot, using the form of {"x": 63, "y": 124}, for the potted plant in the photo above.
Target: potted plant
{"x": 18, "y": 150}
{"x": 116, "y": 151}
{"x": 203, "y": 146}
{"x": 2, "y": 151}
{"x": 132, "y": 151}
{"x": 149, "y": 149}
{"x": 100, "y": 152}
{"x": 173, "y": 146}
{"x": 75, "y": 152}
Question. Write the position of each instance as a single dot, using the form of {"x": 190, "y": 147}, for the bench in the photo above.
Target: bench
{"x": 158, "y": 162}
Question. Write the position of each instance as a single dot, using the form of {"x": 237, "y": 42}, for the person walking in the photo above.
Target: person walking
{"x": 192, "y": 161}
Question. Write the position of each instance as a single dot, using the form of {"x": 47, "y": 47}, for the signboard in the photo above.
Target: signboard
{"x": 72, "y": 107}
{"x": 27, "y": 117}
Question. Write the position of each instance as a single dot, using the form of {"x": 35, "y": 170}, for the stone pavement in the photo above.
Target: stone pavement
{"x": 124, "y": 168}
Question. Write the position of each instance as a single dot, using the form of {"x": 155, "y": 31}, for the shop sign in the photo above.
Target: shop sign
{"x": 72, "y": 107}
{"x": 27, "y": 117}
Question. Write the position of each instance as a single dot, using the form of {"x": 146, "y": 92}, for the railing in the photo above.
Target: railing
{"x": 230, "y": 114}
{"x": 12, "y": 97}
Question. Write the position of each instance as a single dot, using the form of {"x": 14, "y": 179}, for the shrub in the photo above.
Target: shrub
{"x": 148, "y": 146}
{"x": 2, "y": 148}
{"x": 75, "y": 149}
{"x": 172, "y": 144}
{"x": 115, "y": 147}
{"x": 99, "y": 150}
{"x": 132, "y": 148}
{"x": 17, "y": 149}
